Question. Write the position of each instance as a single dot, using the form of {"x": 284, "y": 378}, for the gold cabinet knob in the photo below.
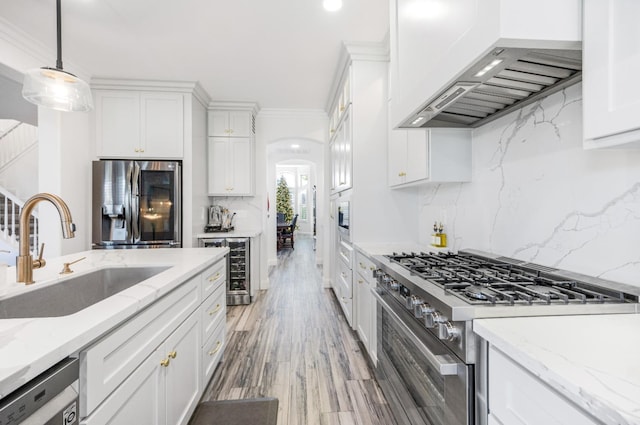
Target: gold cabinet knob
{"x": 165, "y": 363}
{"x": 136, "y": 150}
{"x": 215, "y": 310}
{"x": 173, "y": 354}
{"x": 362, "y": 265}
{"x": 215, "y": 350}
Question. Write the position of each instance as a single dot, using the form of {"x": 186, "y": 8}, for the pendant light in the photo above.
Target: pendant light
{"x": 55, "y": 88}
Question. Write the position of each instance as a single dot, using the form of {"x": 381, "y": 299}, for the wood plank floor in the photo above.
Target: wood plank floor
{"x": 293, "y": 343}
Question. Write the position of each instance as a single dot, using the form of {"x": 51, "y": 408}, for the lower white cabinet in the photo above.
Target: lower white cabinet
{"x": 345, "y": 290}
{"x": 154, "y": 368}
{"x": 365, "y": 305}
{"x": 517, "y": 397}
{"x": 164, "y": 389}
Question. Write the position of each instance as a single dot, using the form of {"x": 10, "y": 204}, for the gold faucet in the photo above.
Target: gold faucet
{"x": 24, "y": 262}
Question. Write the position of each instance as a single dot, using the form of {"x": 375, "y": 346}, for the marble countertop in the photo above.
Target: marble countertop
{"x": 246, "y": 233}
{"x": 30, "y": 346}
{"x": 593, "y": 360}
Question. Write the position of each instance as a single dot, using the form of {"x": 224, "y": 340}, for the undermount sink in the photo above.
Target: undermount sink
{"x": 74, "y": 294}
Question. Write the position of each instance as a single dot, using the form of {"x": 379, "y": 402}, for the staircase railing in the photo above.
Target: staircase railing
{"x": 15, "y": 141}
{"x": 10, "y": 207}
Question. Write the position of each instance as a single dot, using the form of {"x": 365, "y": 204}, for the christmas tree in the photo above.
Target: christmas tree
{"x": 283, "y": 199}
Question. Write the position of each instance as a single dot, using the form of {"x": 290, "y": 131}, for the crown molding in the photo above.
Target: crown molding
{"x": 295, "y": 113}
{"x": 232, "y": 105}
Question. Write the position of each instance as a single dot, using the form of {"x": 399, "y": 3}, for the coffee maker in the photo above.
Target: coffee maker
{"x": 220, "y": 219}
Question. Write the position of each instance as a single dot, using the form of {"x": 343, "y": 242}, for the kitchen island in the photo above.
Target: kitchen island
{"x": 589, "y": 362}
{"x": 30, "y": 346}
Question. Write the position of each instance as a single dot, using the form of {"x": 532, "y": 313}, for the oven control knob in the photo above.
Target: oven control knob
{"x": 412, "y": 302}
{"x": 432, "y": 319}
{"x": 448, "y": 332}
{"x": 422, "y": 310}
{"x": 394, "y": 285}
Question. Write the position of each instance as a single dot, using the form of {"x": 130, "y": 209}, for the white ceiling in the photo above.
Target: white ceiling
{"x": 280, "y": 53}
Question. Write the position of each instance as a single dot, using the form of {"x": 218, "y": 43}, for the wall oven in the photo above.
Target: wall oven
{"x": 424, "y": 383}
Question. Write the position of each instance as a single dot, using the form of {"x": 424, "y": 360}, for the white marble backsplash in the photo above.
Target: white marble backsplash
{"x": 537, "y": 195}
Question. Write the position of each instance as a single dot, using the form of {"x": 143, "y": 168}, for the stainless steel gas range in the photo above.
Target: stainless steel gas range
{"x": 430, "y": 363}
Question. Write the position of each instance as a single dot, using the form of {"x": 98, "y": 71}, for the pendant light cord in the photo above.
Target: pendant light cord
{"x": 59, "y": 18}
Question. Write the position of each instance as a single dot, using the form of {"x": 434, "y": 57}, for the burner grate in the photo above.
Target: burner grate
{"x": 480, "y": 280}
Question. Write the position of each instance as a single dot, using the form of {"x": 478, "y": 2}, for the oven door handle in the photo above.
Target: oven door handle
{"x": 445, "y": 364}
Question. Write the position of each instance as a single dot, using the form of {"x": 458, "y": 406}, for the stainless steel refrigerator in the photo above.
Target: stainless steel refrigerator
{"x": 137, "y": 204}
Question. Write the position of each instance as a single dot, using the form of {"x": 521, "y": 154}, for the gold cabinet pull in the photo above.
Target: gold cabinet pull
{"x": 214, "y": 278}
{"x": 165, "y": 362}
{"x": 173, "y": 354}
{"x": 215, "y": 350}
{"x": 402, "y": 174}
{"x": 360, "y": 281}
{"x": 215, "y": 310}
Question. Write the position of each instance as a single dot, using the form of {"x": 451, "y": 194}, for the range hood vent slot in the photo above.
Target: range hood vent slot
{"x": 500, "y": 82}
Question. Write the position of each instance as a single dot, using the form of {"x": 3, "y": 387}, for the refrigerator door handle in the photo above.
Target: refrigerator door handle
{"x": 135, "y": 201}
{"x": 127, "y": 202}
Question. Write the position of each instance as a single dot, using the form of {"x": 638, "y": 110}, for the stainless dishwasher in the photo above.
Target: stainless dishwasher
{"x": 48, "y": 399}
{"x": 238, "y": 267}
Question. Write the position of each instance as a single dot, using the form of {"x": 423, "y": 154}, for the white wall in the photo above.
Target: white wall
{"x": 536, "y": 195}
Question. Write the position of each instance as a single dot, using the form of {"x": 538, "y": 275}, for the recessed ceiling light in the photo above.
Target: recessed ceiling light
{"x": 332, "y": 5}
{"x": 295, "y": 146}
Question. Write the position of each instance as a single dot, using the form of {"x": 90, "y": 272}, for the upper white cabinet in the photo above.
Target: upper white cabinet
{"x": 429, "y": 155}
{"x": 433, "y": 42}
{"x": 139, "y": 124}
{"x": 231, "y": 123}
{"x": 230, "y": 162}
{"x": 230, "y": 149}
{"x": 611, "y": 96}
{"x": 340, "y": 136}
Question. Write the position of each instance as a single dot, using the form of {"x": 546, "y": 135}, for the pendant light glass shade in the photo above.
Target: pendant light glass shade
{"x": 57, "y": 89}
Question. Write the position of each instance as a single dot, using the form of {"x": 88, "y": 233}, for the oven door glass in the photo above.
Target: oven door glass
{"x": 423, "y": 382}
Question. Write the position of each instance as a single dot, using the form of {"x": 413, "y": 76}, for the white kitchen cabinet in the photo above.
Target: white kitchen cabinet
{"x": 611, "y": 63}
{"x": 156, "y": 365}
{"x": 134, "y": 124}
{"x": 344, "y": 279}
{"x": 231, "y": 164}
{"x": 432, "y": 42}
{"x": 429, "y": 156}
{"x": 365, "y": 305}
{"x": 164, "y": 389}
{"x": 230, "y": 150}
{"x": 341, "y": 154}
{"x": 231, "y": 123}
{"x": 518, "y": 397}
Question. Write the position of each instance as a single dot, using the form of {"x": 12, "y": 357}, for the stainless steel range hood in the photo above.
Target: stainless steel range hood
{"x": 503, "y": 80}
